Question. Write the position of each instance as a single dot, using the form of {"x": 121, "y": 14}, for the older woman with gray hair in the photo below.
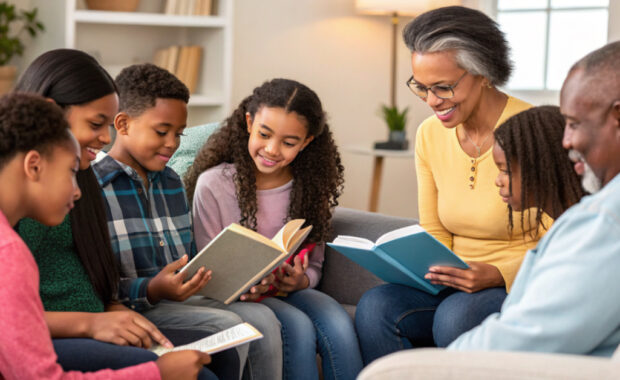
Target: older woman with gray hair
{"x": 459, "y": 57}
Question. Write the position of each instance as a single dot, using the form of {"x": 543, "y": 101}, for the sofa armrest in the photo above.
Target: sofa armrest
{"x": 343, "y": 279}
{"x": 434, "y": 363}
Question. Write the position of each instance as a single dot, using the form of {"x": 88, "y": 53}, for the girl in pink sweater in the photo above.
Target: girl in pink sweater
{"x": 39, "y": 158}
{"x": 273, "y": 160}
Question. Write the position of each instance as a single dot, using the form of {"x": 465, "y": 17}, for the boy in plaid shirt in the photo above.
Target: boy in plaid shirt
{"x": 150, "y": 223}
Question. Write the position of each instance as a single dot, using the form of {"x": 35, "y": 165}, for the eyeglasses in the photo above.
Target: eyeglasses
{"x": 441, "y": 91}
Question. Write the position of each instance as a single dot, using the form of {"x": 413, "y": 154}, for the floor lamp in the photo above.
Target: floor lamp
{"x": 393, "y": 8}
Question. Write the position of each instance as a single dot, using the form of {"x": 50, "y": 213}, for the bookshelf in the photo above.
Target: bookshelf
{"x": 119, "y": 39}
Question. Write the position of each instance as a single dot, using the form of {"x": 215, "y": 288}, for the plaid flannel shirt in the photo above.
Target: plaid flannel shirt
{"x": 149, "y": 228}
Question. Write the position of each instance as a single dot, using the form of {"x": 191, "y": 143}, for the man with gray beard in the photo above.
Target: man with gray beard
{"x": 565, "y": 296}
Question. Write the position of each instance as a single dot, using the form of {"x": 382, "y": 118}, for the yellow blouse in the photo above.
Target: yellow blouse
{"x": 473, "y": 222}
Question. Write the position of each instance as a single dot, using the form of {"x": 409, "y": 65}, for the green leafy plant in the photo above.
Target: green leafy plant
{"x": 13, "y": 25}
{"x": 395, "y": 120}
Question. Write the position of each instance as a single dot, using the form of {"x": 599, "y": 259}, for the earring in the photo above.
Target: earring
{"x": 489, "y": 85}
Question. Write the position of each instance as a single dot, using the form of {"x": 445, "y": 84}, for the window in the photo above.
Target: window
{"x": 547, "y": 36}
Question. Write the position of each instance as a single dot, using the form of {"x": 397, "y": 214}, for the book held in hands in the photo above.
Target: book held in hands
{"x": 240, "y": 257}
{"x": 402, "y": 256}
{"x": 223, "y": 340}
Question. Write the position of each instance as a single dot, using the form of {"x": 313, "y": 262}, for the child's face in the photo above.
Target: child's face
{"x": 276, "y": 137}
{"x": 152, "y": 137}
{"x": 90, "y": 124}
{"x": 509, "y": 183}
{"x": 56, "y": 188}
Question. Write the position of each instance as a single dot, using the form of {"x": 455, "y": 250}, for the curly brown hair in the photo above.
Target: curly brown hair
{"x": 318, "y": 174}
{"x": 533, "y": 139}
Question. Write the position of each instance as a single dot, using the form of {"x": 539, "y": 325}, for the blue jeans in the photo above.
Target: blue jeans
{"x": 87, "y": 355}
{"x": 313, "y": 321}
{"x": 393, "y": 317}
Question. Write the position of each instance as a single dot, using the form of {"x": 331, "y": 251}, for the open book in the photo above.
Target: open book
{"x": 225, "y": 339}
{"x": 240, "y": 257}
{"x": 402, "y": 256}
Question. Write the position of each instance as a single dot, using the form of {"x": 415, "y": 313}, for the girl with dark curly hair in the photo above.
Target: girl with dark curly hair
{"x": 273, "y": 160}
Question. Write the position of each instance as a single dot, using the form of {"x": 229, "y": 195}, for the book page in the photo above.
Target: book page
{"x": 286, "y": 233}
{"x": 393, "y": 235}
{"x": 353, "y": 241}
{"x": 232, "y": 337}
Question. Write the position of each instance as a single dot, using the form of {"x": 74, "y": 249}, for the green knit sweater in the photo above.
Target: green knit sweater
{"x": 64, "y": 283}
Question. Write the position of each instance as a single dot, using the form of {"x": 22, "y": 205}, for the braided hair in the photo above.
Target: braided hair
{"x": 533, "y": 140}
{"x": 317, "y": 170}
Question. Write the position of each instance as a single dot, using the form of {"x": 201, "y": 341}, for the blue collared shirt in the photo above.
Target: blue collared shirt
{"x": 565, "y": 296}
{"x": 149, "y": 227}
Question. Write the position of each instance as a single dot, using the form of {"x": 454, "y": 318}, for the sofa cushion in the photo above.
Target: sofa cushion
{"x": 192, "y": 140}
{"x": 343, "y": 279}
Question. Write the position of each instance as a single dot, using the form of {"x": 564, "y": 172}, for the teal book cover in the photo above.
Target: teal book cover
{"x": 402, "y": 256}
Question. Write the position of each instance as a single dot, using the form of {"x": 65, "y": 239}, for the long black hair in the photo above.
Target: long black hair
{"x": 72, "y": 77}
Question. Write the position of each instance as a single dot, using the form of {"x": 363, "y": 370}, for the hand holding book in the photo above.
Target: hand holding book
{"x": 172, "y": 285}
{"x": 479, "y": 276}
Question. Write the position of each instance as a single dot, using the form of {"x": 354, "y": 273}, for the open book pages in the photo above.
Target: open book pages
{"x": 358, "y": 242}
{"x": 229, "y": 338}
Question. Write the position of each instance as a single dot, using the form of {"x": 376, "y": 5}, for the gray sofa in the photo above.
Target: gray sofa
{"x": 343, "y": 279}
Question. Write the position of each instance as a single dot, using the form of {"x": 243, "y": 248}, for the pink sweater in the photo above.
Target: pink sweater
{"x": 216, "y": 206}
{"x": 26, "y": 350}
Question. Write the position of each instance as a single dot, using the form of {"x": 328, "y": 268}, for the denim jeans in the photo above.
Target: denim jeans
{"x": 393, "y": 317}
{"x": 208, "y": 315}
{"x": 87, "y": 355}
{"x": 314, "y": 322}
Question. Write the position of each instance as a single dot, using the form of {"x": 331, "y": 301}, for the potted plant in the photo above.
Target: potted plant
{"x": 396, "y": 121}
{"x": 13, "y": 25}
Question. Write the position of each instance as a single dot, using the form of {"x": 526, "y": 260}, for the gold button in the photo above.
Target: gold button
{"x": 473, "y": 169}
{"x": 161, "y": 243}
{"x": 471, "y": 185}
{"x": 139, "y": 191}
{"x": 471, "y": 179}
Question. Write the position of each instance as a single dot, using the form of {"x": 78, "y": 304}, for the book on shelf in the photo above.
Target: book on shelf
{"x": 189, "y": 7}
{"x": 182, "y": 61}
{"x": 402, "y": 256}
{"x": 223, "y": 340}
{"x": 240, "y": 257}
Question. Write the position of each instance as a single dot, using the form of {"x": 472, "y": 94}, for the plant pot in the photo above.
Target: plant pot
{"x": 113, "y": 5}
{"x": 7, "y": 78}
{"x": 397, "y": 136}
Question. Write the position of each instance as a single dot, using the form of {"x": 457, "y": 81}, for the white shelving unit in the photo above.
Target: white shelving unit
{"x": 119, "y": 39}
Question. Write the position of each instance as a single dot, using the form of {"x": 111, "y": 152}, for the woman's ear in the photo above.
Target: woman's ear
{"x": 121, "y": 123}
{"x": 33, "y": 165}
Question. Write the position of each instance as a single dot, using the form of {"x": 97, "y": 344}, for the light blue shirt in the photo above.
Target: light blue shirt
{"x": 566, "y": 296}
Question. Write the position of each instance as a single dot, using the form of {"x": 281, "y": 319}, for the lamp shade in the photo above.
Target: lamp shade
{"x": 401, "y": 7}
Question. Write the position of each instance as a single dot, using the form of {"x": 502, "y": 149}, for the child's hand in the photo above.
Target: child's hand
{"x": 257, "y": 290}
{"x": 479, "y": 276}
{"x": 182, "y": 365}
{"x": 125, "y": 328}
{"x": 290, "y": 278}
{"x": 170, "y": 285}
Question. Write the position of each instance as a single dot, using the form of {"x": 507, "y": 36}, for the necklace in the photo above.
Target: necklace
{"x": 474, "y": 163}
{"x": 478, "y": 147}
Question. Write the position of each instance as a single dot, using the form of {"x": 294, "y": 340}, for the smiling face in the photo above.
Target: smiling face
{"x": 440, "y": 68}
{"x": 276, "y": 137}
{"x": 149, "y": 140}
{"x": 508, "y": 181}
{"x": 57, "y": 189}
{"x": 90, "y": 124}
{"x": 592, "y": 129}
